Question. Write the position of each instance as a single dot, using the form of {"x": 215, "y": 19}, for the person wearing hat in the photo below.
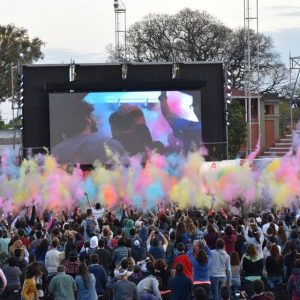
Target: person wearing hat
{"x": 138, "y": 253}
{"x": 148, "y": 287}
{"x": 122, "y": 288}
{"x": 154, "y": 246}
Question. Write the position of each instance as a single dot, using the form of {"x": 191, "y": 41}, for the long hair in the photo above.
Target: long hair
{"x": 286, "y": 248}
{"x": 190, "y": 227}
{"x": 234, "y": 259}
{"x": 202, "y": 257}
{"x": 281, "y": 234}
{"x": 180, "y": 230}
{"x": 211, "y": 229}
{"x": 84, "y": 272}
{"x": 251, "y": 252}
{"x": 42, "y": 248}
{"x": 274, "y": 252}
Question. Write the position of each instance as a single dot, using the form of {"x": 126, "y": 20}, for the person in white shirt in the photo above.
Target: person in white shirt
{"x": 52, "y": 259}
{"x": 257, "y": 239}
{"x": 266, "y": 226}
{"x": 98, "y": 211}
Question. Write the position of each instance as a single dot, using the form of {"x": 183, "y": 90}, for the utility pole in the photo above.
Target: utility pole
{"x": 294, "y": 65}
{"x": 251, "y": 24}
{"x": 120, "y": 30}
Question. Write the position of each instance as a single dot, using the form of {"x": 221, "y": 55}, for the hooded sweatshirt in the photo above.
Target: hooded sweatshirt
{"x": 293, "y": 285}
{"x": 94, "y": 242}
{"x": 128, "y": 227}
{"x": 219, "y": 264}
{"x": 252, "y": 267}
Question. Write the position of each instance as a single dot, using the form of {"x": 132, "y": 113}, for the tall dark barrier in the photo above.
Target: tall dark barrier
{"x": 36, "y": 103}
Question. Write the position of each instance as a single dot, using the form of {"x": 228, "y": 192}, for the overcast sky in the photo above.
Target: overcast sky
{"x": 80, "y": 29}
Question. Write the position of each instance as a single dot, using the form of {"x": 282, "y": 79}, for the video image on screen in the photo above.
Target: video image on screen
{"x": 83, "y": 126}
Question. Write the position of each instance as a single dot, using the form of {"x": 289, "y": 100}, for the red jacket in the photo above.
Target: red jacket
{"x": 187, "y": 265}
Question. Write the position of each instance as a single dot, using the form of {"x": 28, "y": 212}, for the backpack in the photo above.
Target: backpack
{"x": 90, "y": 227}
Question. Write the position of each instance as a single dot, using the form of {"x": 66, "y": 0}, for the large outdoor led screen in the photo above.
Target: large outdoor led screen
{"x": 85, "y": 127}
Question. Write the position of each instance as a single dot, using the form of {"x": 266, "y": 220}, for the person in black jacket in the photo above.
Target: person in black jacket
{"x": 181, "y": 285}
{"x": 99, "y": 273}
{"x": 274, "y": 267}
{"x": 289, "y": 260}
{"x": 252, "y": 267}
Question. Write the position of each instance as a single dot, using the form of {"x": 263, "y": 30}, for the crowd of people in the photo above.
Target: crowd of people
{"x": 167, "y": 253}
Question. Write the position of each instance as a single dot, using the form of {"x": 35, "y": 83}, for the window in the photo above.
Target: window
{"x": 269, "y": 109}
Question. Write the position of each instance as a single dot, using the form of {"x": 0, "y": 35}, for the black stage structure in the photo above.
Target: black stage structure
{"x": 40, "y": 80}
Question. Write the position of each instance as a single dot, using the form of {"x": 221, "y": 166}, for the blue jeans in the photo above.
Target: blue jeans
{"x": 235, "y": 285}
{"x": 216, "y": 284}
{"x": 274, "y": 280}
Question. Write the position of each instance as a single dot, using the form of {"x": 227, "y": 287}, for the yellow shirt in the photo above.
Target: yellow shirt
{"x": 29, "y": 290}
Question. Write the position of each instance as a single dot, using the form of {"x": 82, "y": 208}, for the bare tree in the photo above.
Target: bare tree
{"x": 193, "y": 35}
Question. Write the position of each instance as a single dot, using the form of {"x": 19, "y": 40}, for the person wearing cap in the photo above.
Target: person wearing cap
{"x": 138, "y": 252}
{"x": 122, "y": 288}
{"x": 148, "y": 287}
{"x": 154, "y": 246}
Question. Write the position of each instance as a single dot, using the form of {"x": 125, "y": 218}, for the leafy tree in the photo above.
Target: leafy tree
{"x": 193, "y": 35}
{"x": 16, "y": 47}
{"x": 237, "y": 131}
